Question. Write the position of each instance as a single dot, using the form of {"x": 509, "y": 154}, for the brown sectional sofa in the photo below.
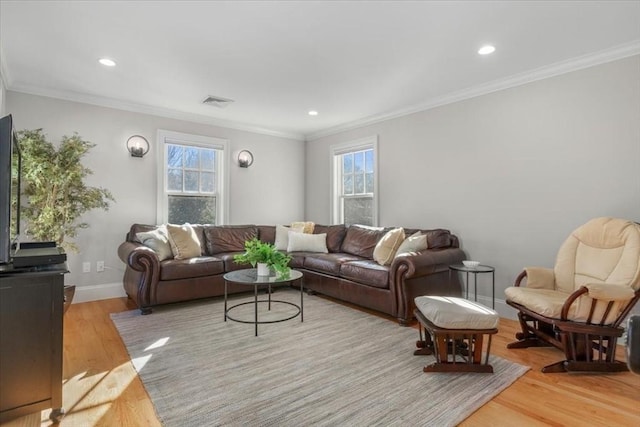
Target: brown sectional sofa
{"x": 347, "y": 272}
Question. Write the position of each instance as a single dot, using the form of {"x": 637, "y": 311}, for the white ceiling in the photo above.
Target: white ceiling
{"x": 353, "y": 61}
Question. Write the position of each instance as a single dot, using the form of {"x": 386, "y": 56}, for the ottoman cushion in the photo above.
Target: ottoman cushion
{"x": 456, "y": 313}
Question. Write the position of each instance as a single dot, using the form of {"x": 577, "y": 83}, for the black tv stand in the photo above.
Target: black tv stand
{"x": 31, "y": 309}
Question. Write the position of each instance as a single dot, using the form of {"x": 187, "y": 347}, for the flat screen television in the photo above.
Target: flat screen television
{"x": 10, "y": 165}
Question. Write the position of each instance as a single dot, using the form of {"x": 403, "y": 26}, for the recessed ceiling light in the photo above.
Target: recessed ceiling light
{"x": 107, "y": 62}
{"x": 486, "y": 50}
{"x": 313, "y": 113}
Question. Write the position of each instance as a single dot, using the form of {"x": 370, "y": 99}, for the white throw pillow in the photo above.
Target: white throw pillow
{"x": 302, "y": 242}
{"x": 415, "y": 243}
{"x": 158, "y": 240}
{"x": 282, "y": 236}
{"x": 386, "y": 247}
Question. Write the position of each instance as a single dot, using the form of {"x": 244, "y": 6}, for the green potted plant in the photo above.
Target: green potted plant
{"x": 265, "y": 256}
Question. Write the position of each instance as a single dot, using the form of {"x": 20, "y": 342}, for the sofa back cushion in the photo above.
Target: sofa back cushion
{"x": 335, "y": 235}
{"x": 228, "y": 238}
{"x": 267, "y": 233}
{"x": 439, "y": 238}
{"x": 361, "y": 240}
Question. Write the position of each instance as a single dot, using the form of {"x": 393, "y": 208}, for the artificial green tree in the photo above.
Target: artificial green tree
{"x": 54, "y": 189}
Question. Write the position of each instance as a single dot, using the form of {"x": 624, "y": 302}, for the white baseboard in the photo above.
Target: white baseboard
{"x": 98, "y": 292}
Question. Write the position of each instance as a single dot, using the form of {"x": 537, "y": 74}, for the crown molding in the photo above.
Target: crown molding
{"x": 147, "y": 109}
{"x": 558, "y": 68}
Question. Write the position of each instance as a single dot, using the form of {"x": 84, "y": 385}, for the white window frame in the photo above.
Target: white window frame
{"x": 336, "y": 150}
{"x": 166, "y": 137}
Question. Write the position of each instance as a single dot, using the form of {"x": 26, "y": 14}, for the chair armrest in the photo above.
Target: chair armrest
{"x": 602, "y": 291}
{"x": 537, "y": 278}
{"x": 618, "y": 302}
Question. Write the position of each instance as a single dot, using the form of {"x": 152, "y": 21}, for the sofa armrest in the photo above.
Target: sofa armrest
{"x": 424, "y": 273}
{"x": 426, "y": 262}
{"x": 137, "y": 255}
{"x": 142, "y": 273}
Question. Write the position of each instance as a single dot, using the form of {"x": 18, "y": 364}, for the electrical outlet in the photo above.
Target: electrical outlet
{"x": 100, "y": 266}
{"x": 86, "y": 267}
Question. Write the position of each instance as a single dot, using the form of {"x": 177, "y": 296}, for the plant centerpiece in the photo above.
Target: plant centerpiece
{"x": 258, "y": 252}
{"x": 54, "y": 187}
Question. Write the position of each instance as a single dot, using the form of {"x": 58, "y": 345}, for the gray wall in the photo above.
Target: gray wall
{"x": 270, "y": 191}
{"x": 2, "y": 96}
{"x": 511, "y": 173}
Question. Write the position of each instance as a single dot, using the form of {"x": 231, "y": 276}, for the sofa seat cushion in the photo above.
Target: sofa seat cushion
{"x": 229, "y": 263}
{"x": 366, "y": 272}
{"x": 175, "y": 269}
{"x": 297, "y": 259}
{"x": 327, "y": 263}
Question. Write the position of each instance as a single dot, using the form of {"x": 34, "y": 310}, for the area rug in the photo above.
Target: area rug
{"x": 340, "y": 367}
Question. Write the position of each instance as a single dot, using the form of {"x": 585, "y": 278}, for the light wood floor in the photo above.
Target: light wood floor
{"x": 101, "y": 387}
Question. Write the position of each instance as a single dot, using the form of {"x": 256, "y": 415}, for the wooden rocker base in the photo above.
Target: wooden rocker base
{"x": 569, "y": 366}
{"x": 528, "y": 342}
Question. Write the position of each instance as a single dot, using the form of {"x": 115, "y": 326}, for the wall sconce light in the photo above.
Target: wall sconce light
{"x": 245, "y": 159}
{"x": 138, "y": 146}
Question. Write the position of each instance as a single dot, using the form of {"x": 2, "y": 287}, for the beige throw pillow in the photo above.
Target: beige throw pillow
{"x": 415, "y": 243}
{"x": 184, "y": 241}
{"x": 307, "y": 226}
{"x": 302, "y": 242}
{"x": 386, "y": 247}
{"x": 282, "y": 236}
{"x": 158, "y": 240}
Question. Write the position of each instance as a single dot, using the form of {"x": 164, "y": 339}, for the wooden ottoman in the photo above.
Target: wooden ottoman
{"x": 454, "y": 332}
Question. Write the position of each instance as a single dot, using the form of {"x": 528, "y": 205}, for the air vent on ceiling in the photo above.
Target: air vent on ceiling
{"x": 217, "y": 101}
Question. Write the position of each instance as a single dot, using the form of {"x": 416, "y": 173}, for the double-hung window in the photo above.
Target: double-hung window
{"x": 355, "y": 182}
{"x": 192, "y": 179}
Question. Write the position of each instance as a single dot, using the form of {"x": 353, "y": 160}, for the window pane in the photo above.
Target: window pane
{"x": 348, "y": 184}
{"x": 369, "y": 183}
{"x": 191, "y": 157}
{"x": 368, "y": 160}
{"x": 358, "y": 210}
{"x": 192, "y": 209}
{"x": 347, "y": 163}
{"x": 174, "y": 156}
{"x": 207, "y": 158}
{"x": 191, "y": 181}
{"x": 207, "y": 182}
{"x": 174, "y": 180}
{"x": 358, "y": 161}
{"x": 358, "y": 183}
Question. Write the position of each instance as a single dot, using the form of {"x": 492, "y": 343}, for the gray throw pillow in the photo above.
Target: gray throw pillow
{"x": 158, "y": 240}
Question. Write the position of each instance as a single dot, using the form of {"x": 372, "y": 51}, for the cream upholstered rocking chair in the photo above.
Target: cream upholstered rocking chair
{"x": 578, "y": 305}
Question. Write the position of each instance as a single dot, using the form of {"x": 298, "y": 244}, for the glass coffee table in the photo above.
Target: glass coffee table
{"x": 250, "y": 277}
